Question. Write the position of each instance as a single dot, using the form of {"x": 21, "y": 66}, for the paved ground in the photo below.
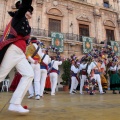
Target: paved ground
{"x": 64, "y": 106}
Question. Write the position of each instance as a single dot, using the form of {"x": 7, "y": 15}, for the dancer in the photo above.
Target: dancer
{"x": 83, "y": 76}
{"x": 74, "y": 81}
{"x": 103, "y": 79}
{"x": 114, "y": 78}
{"x": 12, "y": 49}
{"x": 34, "y": 58}
{"x": 95, "y": 67}
{"x": 54, "y": 72}
{"x": 45, "y": 60}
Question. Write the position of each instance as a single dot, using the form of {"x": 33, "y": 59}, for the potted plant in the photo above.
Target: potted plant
{"x": 66, "y": 75}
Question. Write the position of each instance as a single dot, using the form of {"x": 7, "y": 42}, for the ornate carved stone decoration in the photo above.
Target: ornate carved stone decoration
{"x": 55, "y": 3}
{"x": 39, "y": 1}
{"x": 96, "y": 12}
{"x": 55, "y": 11}
{"x": 109, "y": 23}
{"x": 83, "y": 18}
{"x": 70, "y": 8}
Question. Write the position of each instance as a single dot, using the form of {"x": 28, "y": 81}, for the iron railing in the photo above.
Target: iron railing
{"x": 67, "y": 36}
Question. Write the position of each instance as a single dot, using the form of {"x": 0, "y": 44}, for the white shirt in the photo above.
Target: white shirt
{"x": 82, "y": 66}
{"x": 74, "y": 69}
{"x": 91, "y": 66}
{"x": 46, "y": 59}
{"x": 56, "y": 64}
{"x": 113, "y": 68}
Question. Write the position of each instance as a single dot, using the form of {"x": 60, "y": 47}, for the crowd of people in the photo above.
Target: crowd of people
{"x": 98, "y": 69}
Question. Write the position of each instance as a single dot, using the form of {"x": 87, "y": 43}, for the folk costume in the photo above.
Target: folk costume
{"x": 74, "y": 81}
{"x": 104, "y": 81}
{"x": 45, "y": 60}
{"x": 114, "y": 79}
{"x": 83, "y": 76}
{"x": 95, "y": 68}
{"x": 12, "y": 49}
{"x": 33, "y": 56}
{"x": 54, "y": 74}
{"x": 47, "y": 84}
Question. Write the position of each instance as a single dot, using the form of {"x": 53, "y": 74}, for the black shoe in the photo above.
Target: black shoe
{"x": 73, "y": 91}
{"x": 104, "y": 91}
{"x": 45, "y": 92}
{"x": 91, "y": 93}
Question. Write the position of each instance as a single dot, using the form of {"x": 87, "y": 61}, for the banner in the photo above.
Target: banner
{"x": 87, "y": 44}
{"x": 115, "y": 47}
{"x": 57, "y": 40}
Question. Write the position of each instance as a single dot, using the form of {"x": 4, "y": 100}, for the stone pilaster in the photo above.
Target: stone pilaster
{"x": 97, "y": 17}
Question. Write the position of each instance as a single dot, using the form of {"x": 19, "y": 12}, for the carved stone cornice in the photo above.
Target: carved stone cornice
{"x": 83, "y": 18}
{"x": 109, "y": 23}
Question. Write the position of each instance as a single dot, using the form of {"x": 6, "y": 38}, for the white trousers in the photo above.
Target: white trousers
{"x": 36, "y": 89}
{"x": 98, "y": 79}
{"x": 14, "y": 57}
{"x": 74, "y": 83}
{"x": 43, "y": 76}
{"x": 53, "y": 80}
{"x": 83, "y": 79}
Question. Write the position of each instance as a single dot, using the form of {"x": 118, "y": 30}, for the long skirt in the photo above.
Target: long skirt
{"x": 48, "y": 83}
{"x": 115, "y": 82}
{"x": 104, "y": 82}
{"x": 15, "y": 82}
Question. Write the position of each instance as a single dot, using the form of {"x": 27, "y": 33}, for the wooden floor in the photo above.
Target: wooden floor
{"x": 64, "y": 106}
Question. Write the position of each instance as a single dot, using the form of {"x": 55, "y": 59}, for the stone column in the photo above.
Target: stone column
{"x": 97, "y": 21}
{"x": 118, "y": 21}
{"x": 2, "y": 14}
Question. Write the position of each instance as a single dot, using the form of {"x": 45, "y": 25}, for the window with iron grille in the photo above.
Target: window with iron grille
{"x": 54, "y": 26}
{"x": 110, "y": 35}
{"x": 84, "y": 30}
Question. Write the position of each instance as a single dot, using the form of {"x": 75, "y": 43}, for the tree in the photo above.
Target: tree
{"x": 66, "y": 73}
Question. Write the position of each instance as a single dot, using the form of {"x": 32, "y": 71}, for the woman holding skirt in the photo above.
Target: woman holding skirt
{"x": 114, "y": 78}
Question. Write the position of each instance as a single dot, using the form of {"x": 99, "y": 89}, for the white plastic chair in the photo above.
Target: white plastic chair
{"x": 5, "y": 84}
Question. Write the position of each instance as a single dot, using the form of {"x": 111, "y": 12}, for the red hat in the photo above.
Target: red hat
{"x": 34, "y": 40}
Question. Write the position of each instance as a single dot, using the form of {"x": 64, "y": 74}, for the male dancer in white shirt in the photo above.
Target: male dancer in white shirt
{"x": 45, "y": 60}
{"x": 34, "y": 59}
{"x": 74, "y": 81}
{"x": 96, "y": 68}
{"x": 83, "y": 76}
{"x": 54, "y": 74}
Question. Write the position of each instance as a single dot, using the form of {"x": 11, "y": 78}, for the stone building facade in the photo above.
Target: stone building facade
{"x": 99, "y": 19}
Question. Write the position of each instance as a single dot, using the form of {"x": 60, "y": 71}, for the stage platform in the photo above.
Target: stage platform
{"x": 64, "y": 106}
